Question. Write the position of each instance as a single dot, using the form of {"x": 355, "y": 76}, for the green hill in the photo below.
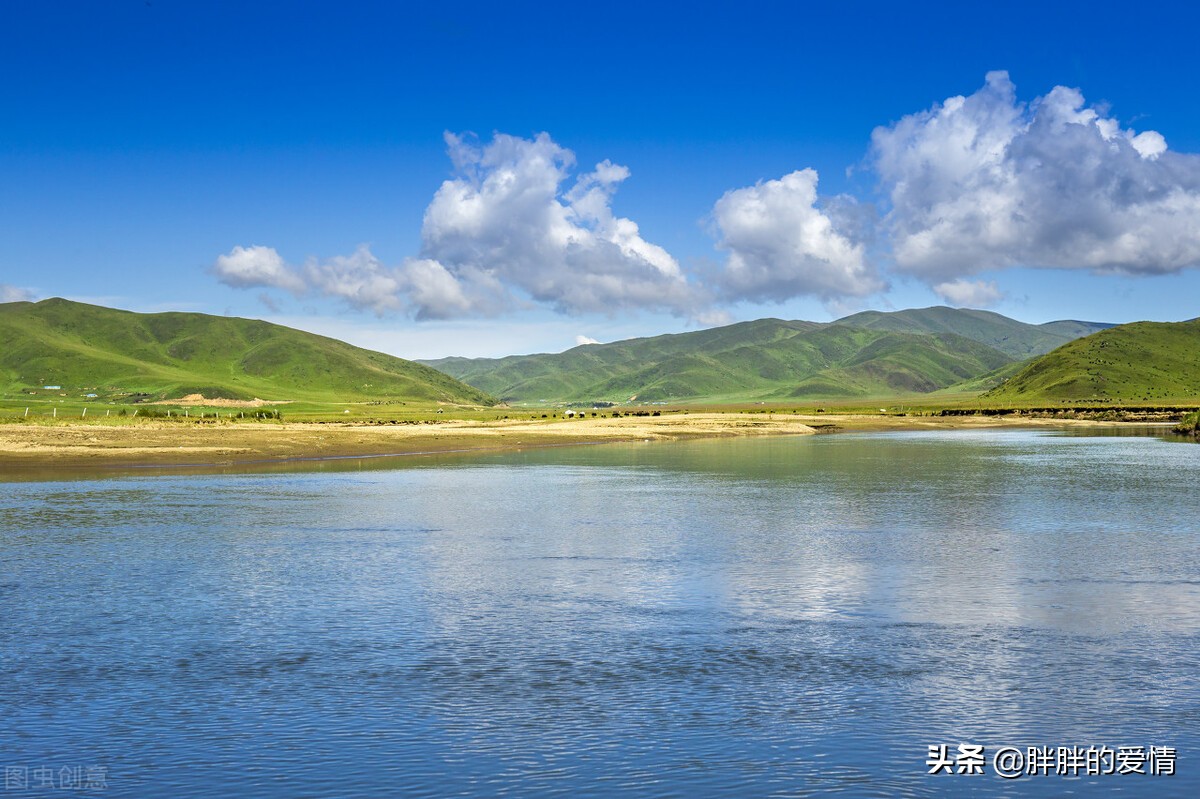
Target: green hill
{"x": 578, "y": 372}
{"x": 169, "y": 355}
{"x": 764, "y": 359}
{"x": 985, "y": 381}
{"x": 868, "y": 354}
{"x": 1139, "y": 362}
{"x": 1016, "y": 339}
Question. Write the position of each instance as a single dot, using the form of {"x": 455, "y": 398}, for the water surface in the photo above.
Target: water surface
{"x": 755, "y": 617}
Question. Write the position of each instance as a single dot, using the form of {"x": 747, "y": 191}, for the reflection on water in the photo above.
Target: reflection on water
{"x": 794, "y": 616}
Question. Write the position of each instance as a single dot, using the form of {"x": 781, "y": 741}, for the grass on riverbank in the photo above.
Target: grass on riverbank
{"x": 60, "y": 410}
{"x": 1190, "y": 425}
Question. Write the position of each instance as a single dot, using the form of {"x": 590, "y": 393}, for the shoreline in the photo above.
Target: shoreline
{"x": 151, "y": 443}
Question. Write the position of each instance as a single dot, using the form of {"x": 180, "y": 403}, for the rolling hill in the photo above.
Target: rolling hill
{"x": 1016, "y": 339}
{"x": 767, "y": 358}
{"x": 868, "y": 354}
{"x": 1139, "y": 362}
{"x": 169, "y": 355}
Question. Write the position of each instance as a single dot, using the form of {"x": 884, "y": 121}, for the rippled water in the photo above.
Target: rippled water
{"x": 762, "y": 617}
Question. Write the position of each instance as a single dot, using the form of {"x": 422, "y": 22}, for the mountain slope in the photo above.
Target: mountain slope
{"x": 900, "y": 363}
{"x": 767, "y": 358}
{"x": 1017, "y": 339}
{"x": 870, "y": 353}
{"x": 1143, "y": 361}
{"x": 168, "y": 355}
{"x": 579, "y": 371}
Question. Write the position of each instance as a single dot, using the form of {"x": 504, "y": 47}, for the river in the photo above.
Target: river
{"x": 797, "y": 616}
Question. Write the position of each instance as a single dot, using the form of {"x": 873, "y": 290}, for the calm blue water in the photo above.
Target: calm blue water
{"x": 761, "y": 617}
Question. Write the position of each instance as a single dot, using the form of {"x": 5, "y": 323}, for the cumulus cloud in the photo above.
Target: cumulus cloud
{"x": 713, "y": 317}
{"x": 419, "y": 285}
{"x": 510, "y": 228}
{"x": 582, "y": 340}
{"x": 506, "y": 227}
{"x": 969, "y": 293}
{"x": 986, "y": 182}
{"x": 976, "y": 183}
{"x": 780, "y": 244}
{"x": 14, "y": 294}
{"x": 359, "y": 279}
{"x": 437, "y": 294}
{"x": 257, "y": 267}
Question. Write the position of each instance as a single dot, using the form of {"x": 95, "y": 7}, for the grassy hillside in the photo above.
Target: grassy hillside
{"x": 1140, "y": 362}
{"x": 985, "y": 381}
{"x": 579, "y": 371}
{"x": 86, "y": 348}
{"x": 898, "y": 363}
{"x": 1016, "y": 339}
{"x": 764, "y": 359}
{"x": 867, "y": 354}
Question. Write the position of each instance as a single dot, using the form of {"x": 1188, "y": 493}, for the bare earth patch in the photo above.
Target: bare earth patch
{"x": 194, "y": 400}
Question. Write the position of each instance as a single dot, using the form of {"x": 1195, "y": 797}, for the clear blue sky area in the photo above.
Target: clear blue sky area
{"x": 142, "y": 142}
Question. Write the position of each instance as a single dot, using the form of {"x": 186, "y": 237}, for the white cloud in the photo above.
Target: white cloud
{"x": 504, "y": 229}
{"x": 359, "y": 279}
{"x": 969, "y": 293}
{"x": 781, "y": 245}
{"x": 582, "y": 340}
{"x": 715, "y": 317}
{"x": 435, "y": 293}
{"x": 502, "y": 233}
{"x": 14, "y": 294}
{"x": 257, "y": 267}
{"x": 985, "y": 182}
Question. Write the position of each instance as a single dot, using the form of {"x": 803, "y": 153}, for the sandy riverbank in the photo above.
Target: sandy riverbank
{"x": 153, "y": 442}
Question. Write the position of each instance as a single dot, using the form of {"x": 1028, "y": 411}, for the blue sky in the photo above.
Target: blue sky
{"x": 289, "y": 161}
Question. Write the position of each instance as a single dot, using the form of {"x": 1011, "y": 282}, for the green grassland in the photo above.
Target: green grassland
{"x": 920, "y": 362}
{"x": 1143, "y": 362}
{"x": 121, "y": 357}
{"x": 76, "y": 410}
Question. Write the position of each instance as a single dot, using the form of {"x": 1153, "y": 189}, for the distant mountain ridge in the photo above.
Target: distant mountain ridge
{"x": 1017, "y": 339}
{"x": 868, "y": 354}
{"x": 169, "y": 355}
